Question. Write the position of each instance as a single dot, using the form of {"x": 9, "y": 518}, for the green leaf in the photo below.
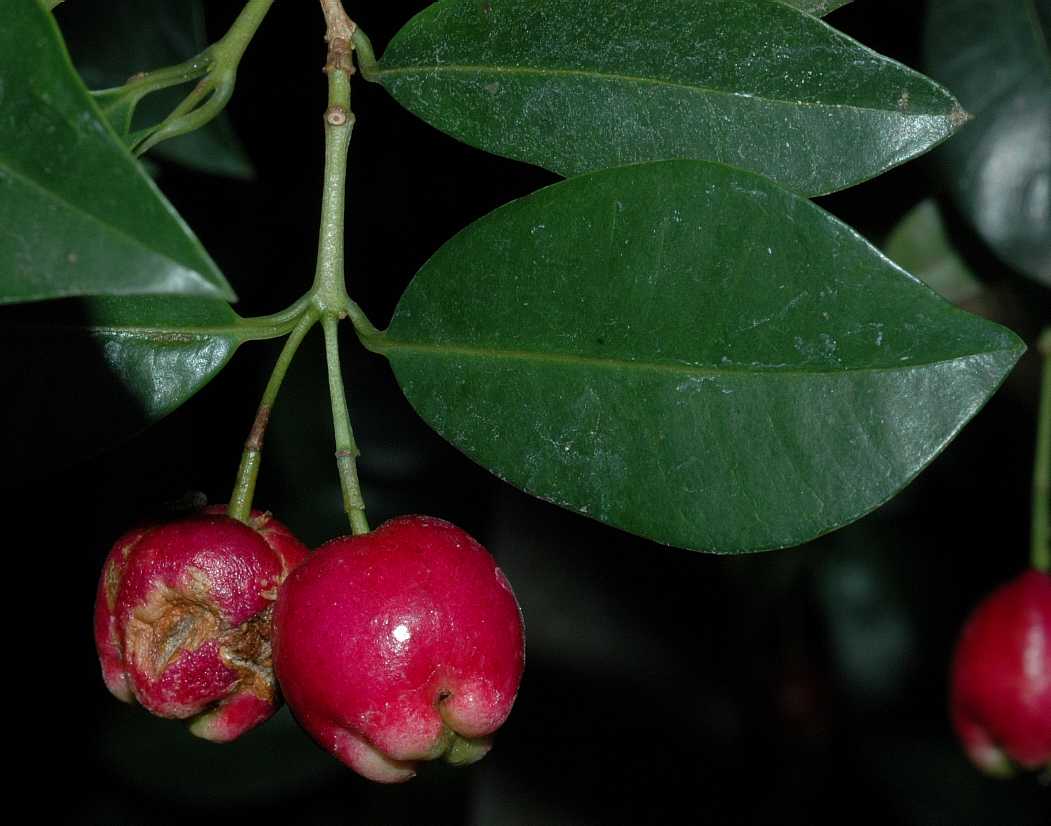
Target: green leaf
{"x": 80, "y": 375}
{"x": 995, "y": 54}
{"x": 78, "y": 216}
{"x": 920, "y": 244}
{"x": 119, "y": 110}
{"x": 690, "y": 353}
{"x": 577, "y": 85}
{"x": 818, "y": 8}
{"x": 133, "y": 36}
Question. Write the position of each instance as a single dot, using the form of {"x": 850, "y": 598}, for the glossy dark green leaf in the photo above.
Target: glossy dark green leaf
{"x": 82, "y": 374}
{"x": 818, "y": 8}
{"x": 920, "y": 244}
{"x": 576, "y": 85}
{"x": 78, "y": 216}
{"x": 690, "y": 353}
{"x": 995, "y": 55}
{"x": 132, "y": 36}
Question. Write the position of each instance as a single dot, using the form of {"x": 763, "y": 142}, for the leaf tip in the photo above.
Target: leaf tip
{"x": 959, "y": 116}
{"x": 218, "y": 289}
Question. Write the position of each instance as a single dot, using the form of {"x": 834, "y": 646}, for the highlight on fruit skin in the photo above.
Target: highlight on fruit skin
{"x": 182, "y": 618}
{"x": 400, "y": 645}
{"x": 1000, "y": 695}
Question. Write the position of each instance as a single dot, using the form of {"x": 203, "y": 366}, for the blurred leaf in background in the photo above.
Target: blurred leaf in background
{"x": 920, "y": 244}
{"x": 994, "y": 55}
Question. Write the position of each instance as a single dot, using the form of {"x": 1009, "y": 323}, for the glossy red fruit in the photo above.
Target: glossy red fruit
{"x": 1001, "y": 677}
{"x": 182, "y": 618}
{"x": 400, "y": 645}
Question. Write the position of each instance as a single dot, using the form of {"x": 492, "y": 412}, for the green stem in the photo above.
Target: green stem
{"x": 346, "y": 448}
{"x": 234, "y": 43}
{"x": 210, "y": 96}
{"x": 1041, "y": 533}
{"x": 366, "y": 56}
{"x": 330, "y": 290}
{"x": 240, "y": 506}
{"x": 283, "y": 318}
{"x": 143, "y": 83}
{"x": 363, "y": 327}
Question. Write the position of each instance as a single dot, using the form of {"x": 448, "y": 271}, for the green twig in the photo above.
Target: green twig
{"x": 240, "y": 506}
{"x": 140, "y": 85}
{"x": 1041, "y": 533}
{"x": 330, "y": 290}
{"x": 210, "y": 96}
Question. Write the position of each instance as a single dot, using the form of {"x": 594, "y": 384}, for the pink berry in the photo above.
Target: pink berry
{"x": 1001, "y": 677}
{"x": 400, "y": 645}
{"x": 182, "y": 618}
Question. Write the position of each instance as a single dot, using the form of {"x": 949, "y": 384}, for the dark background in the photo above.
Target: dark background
{"x": 805, "y": 686}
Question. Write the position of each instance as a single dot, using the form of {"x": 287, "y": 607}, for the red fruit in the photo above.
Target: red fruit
{"x": 182, "y": 618}
{"x": 400, "y": 645}
{"x": 1001, "y": 677}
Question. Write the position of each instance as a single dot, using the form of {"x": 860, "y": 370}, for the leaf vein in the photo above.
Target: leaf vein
{"x": 389, "y": 346}
{"x": 455, "y": 68}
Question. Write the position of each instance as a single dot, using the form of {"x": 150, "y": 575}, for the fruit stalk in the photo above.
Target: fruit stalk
{"x": 347, "y": 450}
{"x": 244, "y": 487}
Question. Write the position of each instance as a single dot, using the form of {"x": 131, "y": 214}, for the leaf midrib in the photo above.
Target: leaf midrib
{"x": 234, "y": 331}
{"x": 457, "y": 68}
{"x": 386, "y": 346}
